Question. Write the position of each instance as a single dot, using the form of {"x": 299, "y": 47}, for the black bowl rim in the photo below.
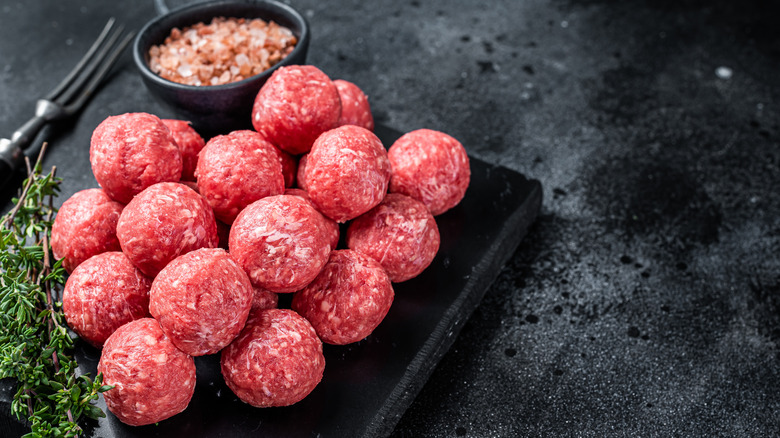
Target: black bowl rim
{"x": 139, "y": 53}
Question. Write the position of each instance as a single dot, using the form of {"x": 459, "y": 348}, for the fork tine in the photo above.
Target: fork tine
{"x": 98, "y": 77}
{"x": 84, "y": 60}
{"x": 93, "y": 63}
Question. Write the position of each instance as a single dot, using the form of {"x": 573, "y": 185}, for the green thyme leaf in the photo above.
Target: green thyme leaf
{"x": 35, "y": 347}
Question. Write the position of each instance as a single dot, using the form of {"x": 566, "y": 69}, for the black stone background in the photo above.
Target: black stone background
{"x": 645, "y": 301}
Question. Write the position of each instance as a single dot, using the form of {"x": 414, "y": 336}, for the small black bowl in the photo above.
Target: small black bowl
{"x": 216, "y": 109}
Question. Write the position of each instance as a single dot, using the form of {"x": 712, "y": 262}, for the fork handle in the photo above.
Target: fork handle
{"x": 10, "y": 158}
{"x": 24, "y": 136}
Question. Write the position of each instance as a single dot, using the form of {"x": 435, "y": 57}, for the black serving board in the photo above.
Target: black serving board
{"x": 367, "y": 386}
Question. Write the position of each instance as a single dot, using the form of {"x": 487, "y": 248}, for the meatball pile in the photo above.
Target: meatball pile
{"x": 184, "y": 248}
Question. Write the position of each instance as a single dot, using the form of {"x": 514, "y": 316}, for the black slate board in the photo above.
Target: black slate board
{"x": 367, "y": 386}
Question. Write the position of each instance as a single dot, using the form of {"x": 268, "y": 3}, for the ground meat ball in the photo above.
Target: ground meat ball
{"x": 355, "y": 109}
{"x": 280, "y": 243}
{"x": 163, "y": 222}
{"x": 289, "y": 166}
{"x": 430, "y": 166}
{"x": 295, "y": 106}
{"x": 329, "y": 224}
{"x": 400, "y": 233}
{"x": 347, "y": 172}
{"x": 85, "y": 226}
{"x": 104, "y": 293}
{"x": 237, "y": 169}
{"x": 201, "y": 300}
{"x": 277, "y": 359}
{"x": 348, "y": 300}
{"x": 153, "y": 380}
{"x": 264, "y": 299}
{"x": 299, "y": 180}
{"x": 130, "y": 152}
{"x": 190, "y": 143}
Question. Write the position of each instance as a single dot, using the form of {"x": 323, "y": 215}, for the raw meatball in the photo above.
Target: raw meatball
{"x": 153, "y": 380}
{"x": 295, "y": 106}
{"x": 190, "y": 143}
{"x": 201, "y": 300}
{"x": 331, "y": 227}
{"x": 223, "y": 229}
{"x": 85, "y": 226}
{"x": 347, "y": 172}
{"x": 348, "y": 300}
{"x": 277, "y": 359}
{"x": 355, "y": 109}
{"x": 280, "y": 243}
{"x": 130, "y": 152}
{"x": 163, "y": 222}
{"x": 430, "y": 166}
{"x": 400, "y": 233}
{"x": 104, "y": 293}
{"x": 264, "y": 299}
{"x": 236, "y": 170}
{"x": 301, "y": 170}
{"x": 289, "y": 166}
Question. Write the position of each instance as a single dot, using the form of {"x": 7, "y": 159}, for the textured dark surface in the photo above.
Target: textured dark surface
{"x": 646, "y": 299}
{"x": 367, "y": 386}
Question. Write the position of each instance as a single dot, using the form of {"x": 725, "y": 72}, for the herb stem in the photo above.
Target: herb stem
{"x": 29, "y": 402}
{"x": 22, "y": 198}
{"x": 12, "y": 214}
{"x": 36, "y": 348}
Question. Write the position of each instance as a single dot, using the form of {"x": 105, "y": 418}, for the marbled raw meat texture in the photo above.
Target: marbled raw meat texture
{"x": 280, "y": 243}
{"x": 348, "y": 300}
{"x": 190, "y": 144}
{"x": 153, "y": 380}
{"x": 201, "y": 300}
{"x": 329, "y": 224}
{"x": 264, "y": 299}
{"x": 300, "y": 181}
{"x": 132, "y": 151}
{"x": 355, "y": 109}
{"x": 277, "y": 359}
{"x": 85, "y": 226}
{"x": 400, "y": 233}
{"x": 295, "y": 106}
{"x": 289, "y": 167}
{"x": 347, "y": 172}
{"x": 430, "y": 166}
{"x": 104, "y": 293}
{"x": 237, "y": 169}
{"x": 163, "y": 222}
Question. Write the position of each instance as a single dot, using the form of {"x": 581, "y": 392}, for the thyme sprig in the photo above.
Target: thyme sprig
{"x": 35, "y": 347}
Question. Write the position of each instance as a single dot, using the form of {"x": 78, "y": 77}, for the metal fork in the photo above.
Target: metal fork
{"x": 68, "y": 97}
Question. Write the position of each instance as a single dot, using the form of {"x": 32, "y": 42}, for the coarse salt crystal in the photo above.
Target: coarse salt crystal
{"x": 226, "y": 50}
{"x": 184, "y": 70}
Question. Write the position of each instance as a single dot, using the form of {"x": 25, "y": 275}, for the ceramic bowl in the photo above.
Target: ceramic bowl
{"x": 216, "y": 109}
